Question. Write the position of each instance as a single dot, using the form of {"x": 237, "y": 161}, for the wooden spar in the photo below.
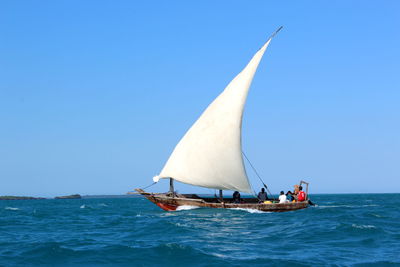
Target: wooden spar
{"x": 221, "y": 197}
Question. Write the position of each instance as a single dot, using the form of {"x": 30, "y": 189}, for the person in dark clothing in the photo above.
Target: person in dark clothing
{"x": 236, "y": 197}
{"x": 262, "y": 196}
{"x": 289, "y": 196}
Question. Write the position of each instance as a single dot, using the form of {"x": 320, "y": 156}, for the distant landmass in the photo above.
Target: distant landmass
{"x": 75, "y": 196}
{"x": 19, "y": 198}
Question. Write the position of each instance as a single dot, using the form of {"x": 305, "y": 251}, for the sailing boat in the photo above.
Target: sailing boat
{"x": 210, "y": 153}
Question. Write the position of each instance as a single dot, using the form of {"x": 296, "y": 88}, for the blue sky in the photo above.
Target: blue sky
{"x": 94, "y": 95}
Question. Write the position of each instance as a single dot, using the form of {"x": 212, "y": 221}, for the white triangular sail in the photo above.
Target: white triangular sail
{"x": 210, "y": 153}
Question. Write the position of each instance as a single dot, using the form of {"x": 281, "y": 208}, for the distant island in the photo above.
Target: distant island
{"x": 74, "y": 196}
{"x": 19, "y": 198}
{"x": 69, "y": 197}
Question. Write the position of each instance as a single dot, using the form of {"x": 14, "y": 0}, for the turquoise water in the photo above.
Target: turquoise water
{"x": 342, "y": 230}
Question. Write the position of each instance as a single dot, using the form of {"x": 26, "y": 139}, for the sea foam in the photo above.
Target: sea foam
{"x": 363, "y": 226}
{"x": 186, "y": 207}
{"x": 11, "y": 208}
{"x": 250, "y": 210}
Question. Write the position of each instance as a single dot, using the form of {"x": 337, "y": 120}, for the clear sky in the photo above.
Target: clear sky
{"x": 94, "y": 95}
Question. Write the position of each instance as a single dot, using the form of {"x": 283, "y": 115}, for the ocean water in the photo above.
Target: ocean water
{"x": 342, "y": 230}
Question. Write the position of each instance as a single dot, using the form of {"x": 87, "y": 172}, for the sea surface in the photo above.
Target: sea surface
{"x": 342, "y": 230}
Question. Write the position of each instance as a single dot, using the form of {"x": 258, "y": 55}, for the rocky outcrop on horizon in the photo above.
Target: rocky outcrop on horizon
{"x": 75, "y": 196}
{"x": 19, "y": 198}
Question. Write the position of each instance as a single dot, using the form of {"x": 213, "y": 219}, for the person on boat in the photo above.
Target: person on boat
{"x": 236, "y": 197}
{"x": 282, "y": 197}
{"x": 296, "y": 189}
{"x": 289, "y": 196}
{"x": 262, "y": 196}
{"x": 301, "y": 196}
{"x": 295, "y": 192}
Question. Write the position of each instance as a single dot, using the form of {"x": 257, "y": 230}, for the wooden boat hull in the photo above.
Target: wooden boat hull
{"x": 169, "y": 203}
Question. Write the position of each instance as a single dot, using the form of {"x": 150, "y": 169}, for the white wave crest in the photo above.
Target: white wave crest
{"x": 250, "y": 210}
{"x": 219, "y": 255}
{"x": 11, "y": 208}
{"x": 362, "y": 226}
{"x": 186, "y": 207}
{"x": 83, "y": 206}
{"x": 103, "y": 205}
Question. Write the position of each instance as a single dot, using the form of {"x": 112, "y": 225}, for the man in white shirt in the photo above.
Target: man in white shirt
{"x": 282, "y": 197}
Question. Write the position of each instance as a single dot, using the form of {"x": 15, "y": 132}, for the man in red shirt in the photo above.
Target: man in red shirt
{"x": 301, "y": 196}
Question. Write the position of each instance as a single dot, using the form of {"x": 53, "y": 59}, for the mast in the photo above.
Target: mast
{"x": 221, "y": 197}
{"x": 171, "y": 186}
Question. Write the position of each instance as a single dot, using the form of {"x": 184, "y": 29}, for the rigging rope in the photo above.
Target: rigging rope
{"x": 255, "y": 171}
{"x": 149, "y": 185}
